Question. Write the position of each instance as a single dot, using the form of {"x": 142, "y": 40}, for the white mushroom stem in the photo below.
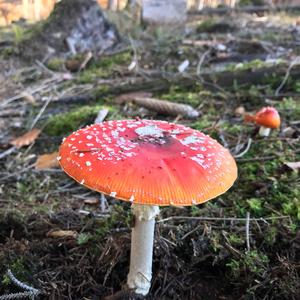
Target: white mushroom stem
{"x": 140, "y": 272}
{"x": 264, "y": 131}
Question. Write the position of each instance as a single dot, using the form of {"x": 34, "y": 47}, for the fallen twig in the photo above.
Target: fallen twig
{"x": 181, "y": 218}
{"x": 246, "y": 149}
{"x": 7, "y": 152}
{"x": 30, "y": 291}
{"x": 248, "y": 230}
{"x": 287, "y": 74}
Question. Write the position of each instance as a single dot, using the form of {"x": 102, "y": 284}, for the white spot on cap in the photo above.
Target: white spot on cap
{"x": 81, "y": 154}
{"x": 88, "y": 163}
{"x": 82, "y": 181}
{"x": 149, "y": 130}
{"x": 113, "y": 194}
{"x": 58, "y": 158}
{"x": 192, "y": 139}
{"x": 89, "y": 137}
{"x": 131, "y": 198}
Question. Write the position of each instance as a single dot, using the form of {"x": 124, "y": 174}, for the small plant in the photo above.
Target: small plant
{"x": 18, "y": 34}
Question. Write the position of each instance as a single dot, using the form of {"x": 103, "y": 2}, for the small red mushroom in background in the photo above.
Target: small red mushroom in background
{"x": 148, "y": 164}
{"x": 268, "y": 118}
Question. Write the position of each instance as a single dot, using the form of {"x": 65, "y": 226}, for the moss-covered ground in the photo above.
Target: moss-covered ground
{"x": 201, "y": 252}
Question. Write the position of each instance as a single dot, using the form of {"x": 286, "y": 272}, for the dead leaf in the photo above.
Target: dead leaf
{"x": 28, "y": 97}
{"x": 62, "y": 233}
{"x": 295, "y": 166}
{"x": 91, "y": 201}
{"x": 240, "y": 111}
{"x": 27, "y": 138}
{"x": 47, "y": 161}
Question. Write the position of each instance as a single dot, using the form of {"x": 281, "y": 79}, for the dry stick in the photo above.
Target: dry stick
{"x": 248, "y": 230}
{"x": 201, "y": 61}
{"x": 246, "y": 150}
{"x": 30, "y": 291}
{"x": 40, "y": 113}
{"x": 42, "y": 66}
{"x": 221, "y": 219}
{"x": 287, "y": 74}
{"x": 55, "y": 79}
{"x": 7, "y": 152}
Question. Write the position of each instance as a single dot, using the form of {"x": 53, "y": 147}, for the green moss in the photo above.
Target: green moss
{"x": 251, "y": 263}
{"x": 193, "y": 97}
{"x": 236, "y": 240}
{"x": 19, "y": 270}
{"x": 100, "y": 91}
{"x": 55, "y": 64}
{"x": 62, "y": 124}
{"x": 105, "y": 67}
{"x": 206, "y": 25}
{"x": 203, "y": 122}
{"x": 251, "y": 65}
{"x": 255, "y": 206}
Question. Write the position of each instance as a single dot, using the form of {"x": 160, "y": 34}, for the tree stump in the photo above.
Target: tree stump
{"x": 74, "y": 26}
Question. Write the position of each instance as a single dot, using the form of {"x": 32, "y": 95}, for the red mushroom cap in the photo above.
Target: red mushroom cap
{"x": 148, "y": 162}
{"x": 267, "y": 117}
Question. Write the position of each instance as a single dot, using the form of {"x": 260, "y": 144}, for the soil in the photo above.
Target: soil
{"x": 54, "y": 235}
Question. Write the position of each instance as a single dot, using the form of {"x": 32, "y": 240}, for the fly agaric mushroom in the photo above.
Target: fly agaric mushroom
{"x": 268, "y": 118}
{"x": 150, "y": 164}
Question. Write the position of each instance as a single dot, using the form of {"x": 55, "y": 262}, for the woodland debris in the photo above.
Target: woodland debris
{"x": 27, "y": 138}
{"x": 78, "y": 63}
{"x": 91, "y": 201}
{"x": 102, "y": 114}
{"x": 47, "y": 161}
{"x": 183, "y": 66}
{"x": 239, "y": 111}
{"x": 160, "y": 106}
{"x": 157, "y": 81}
{"x": 62, "y": 234}
{"x": 295, "y": 166}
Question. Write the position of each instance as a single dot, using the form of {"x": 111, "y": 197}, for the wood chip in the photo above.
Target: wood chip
{"x": 27, "y": 138}
{"x": 295, "y": 166}
{"x": 62, "y": 234}
{"x": 92, "y": 201}
{"x": 102, "y": 114}
{"x": 47, "y": 161}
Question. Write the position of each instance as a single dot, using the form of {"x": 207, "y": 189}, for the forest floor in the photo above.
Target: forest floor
{"x": 55, "y": 236}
